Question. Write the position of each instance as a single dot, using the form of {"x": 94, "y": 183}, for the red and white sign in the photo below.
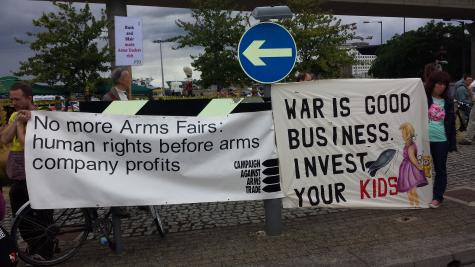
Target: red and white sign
{"x": 128, "y": 41}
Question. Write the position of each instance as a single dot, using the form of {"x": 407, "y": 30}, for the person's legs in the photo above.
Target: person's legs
{"x": 464, "y": 115}
{"x": 439, "y": 151}
{"x": 2, "y": 205}
{"x": 18, "y": 195}
{"x": 29, "y": 232}
{"x": 416, "y": 198}
{"x": 470, "y": 133}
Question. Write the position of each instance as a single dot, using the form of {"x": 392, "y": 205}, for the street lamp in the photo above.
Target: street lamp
{"x": 161, "y": 59}
{"x": 381, "y": 23}
{"x": 448, "y": 35}
{"x": 272, "y": 12}
{"x": 362, "y": 38}
{"x": 462, "y": 24}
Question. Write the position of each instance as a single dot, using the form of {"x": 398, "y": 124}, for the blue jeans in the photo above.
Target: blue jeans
{"x": 439, "y": 152}
{"x": 470, "y": 134}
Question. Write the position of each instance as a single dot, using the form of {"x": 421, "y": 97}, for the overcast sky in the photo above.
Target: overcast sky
{"x": 158, "y": 23}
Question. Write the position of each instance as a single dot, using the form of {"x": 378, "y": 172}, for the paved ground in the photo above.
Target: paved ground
{"x": 356, "y": 238}
{"x": 230, "y": 234}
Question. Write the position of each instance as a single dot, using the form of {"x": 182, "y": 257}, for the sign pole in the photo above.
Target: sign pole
{"x": 273, "y": 216}
{"x": 267, "y": 54}
{"x": 116, "y": 228}
{"x": 116, "y": 8}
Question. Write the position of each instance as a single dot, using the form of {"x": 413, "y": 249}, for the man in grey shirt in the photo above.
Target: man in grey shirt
{"x": 470, "y": 134}
{"x": 122, "y": 82}
{"x": 462, "y": 94}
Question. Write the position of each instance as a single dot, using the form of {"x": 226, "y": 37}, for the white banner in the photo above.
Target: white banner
{"x": 353, "y": 143}
{"x": 89, "y": 160}
{"x": 128, "y": 41}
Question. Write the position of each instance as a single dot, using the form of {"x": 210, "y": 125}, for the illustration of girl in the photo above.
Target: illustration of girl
{"x": 411, "y": 173}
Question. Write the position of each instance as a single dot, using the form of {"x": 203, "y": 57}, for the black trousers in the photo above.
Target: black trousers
{"x": 30, "y": 232}
{"x": 439, "y": 151}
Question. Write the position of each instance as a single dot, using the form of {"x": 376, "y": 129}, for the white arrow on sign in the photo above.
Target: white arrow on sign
{"x": 254, "y": 53}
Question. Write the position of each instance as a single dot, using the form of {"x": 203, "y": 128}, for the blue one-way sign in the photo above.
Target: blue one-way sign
{"x": 267, "y": 52}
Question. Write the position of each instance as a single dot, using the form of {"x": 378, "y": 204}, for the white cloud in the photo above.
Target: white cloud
{"x": 159, "y": 23}
{"x": 391, "y": 26}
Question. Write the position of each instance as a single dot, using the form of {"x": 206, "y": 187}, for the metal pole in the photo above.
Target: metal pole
{"x": 471, "y": 29}
{"x": 116, "y": 8}
{"x": 404, "y": 26}
{"x": 381, "y": 31}
{"x": 161, "y": 65}
{"x": 463, "y": 47}
{"x": 272, "y": 207}
{"x": 273, "y": 213}
{"x": 116, "y": 228}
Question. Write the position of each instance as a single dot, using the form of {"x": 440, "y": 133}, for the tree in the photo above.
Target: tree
{"x": 406, "y": 55}
{"x": 320, "y": 39}
{"x": 217, "y": 29}
{"x": 68, "y": 50}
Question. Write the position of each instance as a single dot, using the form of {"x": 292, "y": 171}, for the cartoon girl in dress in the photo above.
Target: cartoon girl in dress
{"x": 411, "y": 173}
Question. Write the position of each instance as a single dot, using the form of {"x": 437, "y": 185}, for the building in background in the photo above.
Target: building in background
{"x": 146, "y": 82}
{"x": 364, "y": 55}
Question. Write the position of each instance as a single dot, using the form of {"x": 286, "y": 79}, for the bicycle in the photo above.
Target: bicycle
{"x": 47, "y": 244}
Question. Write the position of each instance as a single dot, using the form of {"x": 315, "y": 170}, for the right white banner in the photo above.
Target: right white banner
{"x": 356, "y": 143}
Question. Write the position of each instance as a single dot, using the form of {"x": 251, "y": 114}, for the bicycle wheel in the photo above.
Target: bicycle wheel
{"x": 49, "y": 237}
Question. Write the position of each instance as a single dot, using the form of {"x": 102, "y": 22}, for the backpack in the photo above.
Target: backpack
{"x": 8, "y": 250}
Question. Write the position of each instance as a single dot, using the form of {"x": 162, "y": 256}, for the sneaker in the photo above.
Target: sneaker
{"x": 465, "y": 142}
{"x": 435, "y": 204}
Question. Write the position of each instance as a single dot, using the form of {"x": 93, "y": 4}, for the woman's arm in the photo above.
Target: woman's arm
{"x": 412, "y": 157}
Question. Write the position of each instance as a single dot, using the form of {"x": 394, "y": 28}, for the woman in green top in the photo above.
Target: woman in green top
{"x": 441, "y": 130}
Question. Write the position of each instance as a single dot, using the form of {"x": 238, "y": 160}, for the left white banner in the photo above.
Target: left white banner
{"x": 91, "y": 160}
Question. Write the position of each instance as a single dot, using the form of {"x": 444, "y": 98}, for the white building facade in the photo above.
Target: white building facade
{"x": 362, "y": 64}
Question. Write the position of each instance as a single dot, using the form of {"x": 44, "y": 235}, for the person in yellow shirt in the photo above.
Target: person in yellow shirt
{"x": 21, "y": 97}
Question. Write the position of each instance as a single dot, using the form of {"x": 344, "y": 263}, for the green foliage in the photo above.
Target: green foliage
{"x": 406, "y": 55}
{"x": 67, "y": 50}
{"x": 217, "y": 30}
{"x": 320, "y": 39}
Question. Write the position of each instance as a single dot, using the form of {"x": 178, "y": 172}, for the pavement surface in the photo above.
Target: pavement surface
{"x": 231, "y": 234}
